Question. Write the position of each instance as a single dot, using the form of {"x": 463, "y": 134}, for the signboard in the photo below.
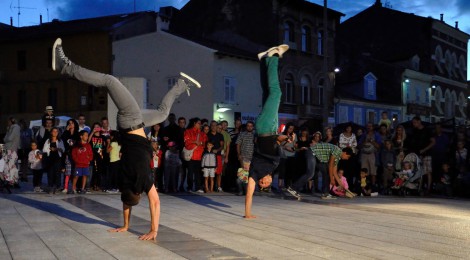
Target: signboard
{"x": 418, "y": 110}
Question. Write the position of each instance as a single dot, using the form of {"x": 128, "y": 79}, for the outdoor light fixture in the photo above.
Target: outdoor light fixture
{"x": 222, "y": 109}
{"x": 433, "y": 86}
{"x": 337, "y": 70}
{"x": 407, "y": 80}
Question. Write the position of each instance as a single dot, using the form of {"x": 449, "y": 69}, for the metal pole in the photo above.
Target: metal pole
{"x": 326, "y": 87}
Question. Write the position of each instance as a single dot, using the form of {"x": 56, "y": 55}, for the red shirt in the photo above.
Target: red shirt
{"x": 82, "y": 155}
{"x": 190, "y": 136}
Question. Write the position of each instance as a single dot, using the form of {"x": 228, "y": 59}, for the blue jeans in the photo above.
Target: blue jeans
{"x": 129, "y": 112}
{"x": 309, "y": 171}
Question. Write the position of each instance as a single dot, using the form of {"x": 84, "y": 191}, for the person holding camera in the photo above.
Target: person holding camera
{"x": 35, "y": 164}
{"x": 53, "y": 151}
{"x": 369, "y": 144}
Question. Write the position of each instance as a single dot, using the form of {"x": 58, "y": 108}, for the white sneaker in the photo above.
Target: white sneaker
{"x": 200, "y": 191}
{"x": 59, "y": 60}
{"x": 220, "y": 189}
{"x": 64, "y": 191}
{"x": 328, "y": 197}
{"x": 293, "y": 192}
{"x": 279, "y": 50}
{"x": 190, "y": 82}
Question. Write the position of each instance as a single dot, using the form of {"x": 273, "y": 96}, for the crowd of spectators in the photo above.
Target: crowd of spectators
{"x": 81, "y": 159}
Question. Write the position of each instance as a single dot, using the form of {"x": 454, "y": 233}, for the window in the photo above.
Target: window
{"x": 21, "y": 60}
{"x": 52, "y": 97}
{"x": 370, "y": 86}
{"x": 289, "y": 35}
{"x": 358, "y": 116}
{"x": 320, "y": 43}
{"x": 448, "y": 62}
{"x": 306, "y": 39}
{"x": 427, "y": 96}
{"x": 343, "y": 114}
{"x": 289, "y": 89}
{"x": 21, "y": 101}
{"x": 371, "y": 116}
{"x": 319, "y": 98}
{"x": 305, "y": 84}
{"x": 229, "y": 89}
{"x": 417, "y": 95}
{"x": 462, "y": 68}
{"x": 415, "y": 63}
{"x": 438, "y": 58}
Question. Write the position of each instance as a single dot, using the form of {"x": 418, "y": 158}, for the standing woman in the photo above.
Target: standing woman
{"x": 154, "y": 134}
{"x": 350, "y": 167}
{"x": 329, "y": 138}
{"x": 286, "y": 172}
{"x": 195, "y": 139}
{"x": 302, "y": 146}
{"x": 53, "y": 150}
{"x": 398, "y": 141}
{"x": 69, "y": 137}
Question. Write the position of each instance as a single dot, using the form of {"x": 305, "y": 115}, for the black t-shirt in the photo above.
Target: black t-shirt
{"x": 215, "y": 139}
{"x": 265, "y": 157}
{"x": 135, "y": 163}
{"x": 419, "y": 139}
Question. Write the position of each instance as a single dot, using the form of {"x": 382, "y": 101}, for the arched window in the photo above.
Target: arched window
{"x": 439, "y": 58}
{"x": 448, "y": 62}
{"x": 318, "y": 100}
{"x": 462, "y": 68}
{"x": 289, "y": 89}
{"x": 305, "y": 84}
{"x": 289, "y": 34}
{"x": 306, "y": 39}
{"x": 320, "y": 43}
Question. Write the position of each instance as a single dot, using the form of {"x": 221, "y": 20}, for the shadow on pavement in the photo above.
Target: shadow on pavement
{"x": 206, "y": 202}
{"x": 56, "y": 210}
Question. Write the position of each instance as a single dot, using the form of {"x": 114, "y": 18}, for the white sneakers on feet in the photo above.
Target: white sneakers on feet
{"x": 190, "y": 82}
{"x": 293, "y": 192}
{"x": 220, "y": 189}
{"x": 279, "y": 50}
{"x": 59, "y": 60}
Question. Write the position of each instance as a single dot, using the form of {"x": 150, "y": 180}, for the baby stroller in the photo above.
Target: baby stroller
{"x": 413, "y": 183}
{"x": 3, "y": 182}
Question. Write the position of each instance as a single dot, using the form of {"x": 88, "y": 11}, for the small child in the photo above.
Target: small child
{"x": 172, "y": 167}
{"x": 388, "y": 159}
{"x": 444, "y": 185}
{"x": 404, "y": 175}
{"x": 82, "y": 155}
{"x": 338, "y": 190}
{"x": 35, "y": 164}
{"x": 242, "y": 175}
{"x": 67, "y": 172}
{"x": 363, "y": 186}
{"x": 156, "y": 165}
{"x": 209, "y": 163}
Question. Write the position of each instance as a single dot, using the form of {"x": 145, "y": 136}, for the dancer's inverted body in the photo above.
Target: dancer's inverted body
{"x": 136, "y": 150}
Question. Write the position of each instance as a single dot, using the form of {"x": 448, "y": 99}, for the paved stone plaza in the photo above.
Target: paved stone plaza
{"x": 41, "y": 226}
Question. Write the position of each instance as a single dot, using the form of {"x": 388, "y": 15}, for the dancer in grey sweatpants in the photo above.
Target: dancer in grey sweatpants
{"x": 136, "y": 151}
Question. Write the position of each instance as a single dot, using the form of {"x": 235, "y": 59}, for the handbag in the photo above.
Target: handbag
{"x": 188, "y": 153}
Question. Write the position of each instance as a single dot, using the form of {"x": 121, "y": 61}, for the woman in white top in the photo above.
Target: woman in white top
{"x": 348, "y": 139}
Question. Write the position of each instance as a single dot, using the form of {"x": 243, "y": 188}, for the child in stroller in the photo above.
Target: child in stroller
{"x": 403, "y": 176}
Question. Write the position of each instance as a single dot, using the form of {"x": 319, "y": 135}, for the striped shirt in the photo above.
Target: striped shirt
{"x": 323, "y": 152}
{"x": 246, "y": 140}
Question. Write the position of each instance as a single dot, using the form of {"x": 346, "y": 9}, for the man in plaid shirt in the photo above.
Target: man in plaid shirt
{"x": 328, "y": 155}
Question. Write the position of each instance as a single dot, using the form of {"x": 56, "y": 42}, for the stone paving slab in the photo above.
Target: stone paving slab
{"x": 192, "y": 226}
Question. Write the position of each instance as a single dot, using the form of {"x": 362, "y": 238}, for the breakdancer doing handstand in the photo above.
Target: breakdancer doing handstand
{"x": 266, "y": 156}
{"x": 136, "y": 150}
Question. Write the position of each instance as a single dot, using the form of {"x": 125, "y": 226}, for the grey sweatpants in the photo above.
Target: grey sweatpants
{"x": 129, "y": 112}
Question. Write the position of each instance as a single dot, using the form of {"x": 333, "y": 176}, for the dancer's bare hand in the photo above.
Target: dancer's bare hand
{"x": 120, "y": 229}
{"x": 152, "y": 235}
{"x": 250, "y": 216}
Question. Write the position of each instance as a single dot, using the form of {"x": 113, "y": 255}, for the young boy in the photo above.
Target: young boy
{"x": 209, "y": 164}
{"x": 363, "y": 187}
{"x": 35, "y": 164}
{"x": 266, "y": 156}
{"x": 82, "y": 155}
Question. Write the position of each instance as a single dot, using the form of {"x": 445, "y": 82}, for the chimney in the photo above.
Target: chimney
{"x": 11, "y": 21}
{"x": 456, "y": 24}
{"x": 40, "y": 19}
{"x": 442, "y": 17}
{"x": 378, "y": 3}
